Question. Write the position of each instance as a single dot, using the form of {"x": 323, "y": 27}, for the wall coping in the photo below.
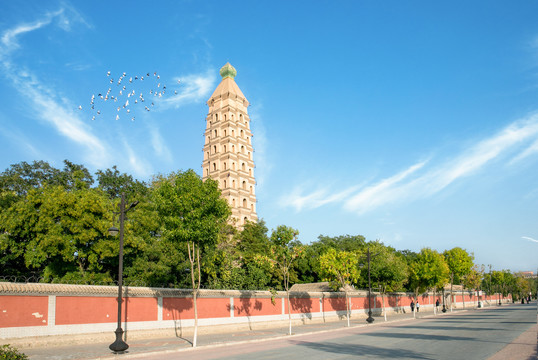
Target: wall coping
{"x": 44, "y": 289}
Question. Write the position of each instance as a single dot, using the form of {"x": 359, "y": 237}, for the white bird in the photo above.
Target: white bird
{"x": 98, "y": 112}
{"x": 128, "y": 111}
{"x": 130, "y": 79}
{"x": 93, "y": 117}
{"x": 132, "y": 119}
{"x": 80, "y": 107}
{"x": 117, "y": 117}
{"x": 108, "y": 73}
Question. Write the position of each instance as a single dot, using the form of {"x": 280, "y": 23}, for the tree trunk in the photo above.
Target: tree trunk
{"x": 286, "y": 284}
{"x": 194, "y": 256}
{"x": 383, "y": 300}
{"x": 434, "y": 302}
{"x": 347, "y": 308}
{"x": 451, "y": 294}
{"x": 463, "y": 296}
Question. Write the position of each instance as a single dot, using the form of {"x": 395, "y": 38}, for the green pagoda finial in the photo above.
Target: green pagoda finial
{"x": 228, "y": 71}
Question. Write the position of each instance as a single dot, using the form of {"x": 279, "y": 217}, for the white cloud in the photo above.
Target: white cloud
{"x": 420, "y": 181}
{"x": 159, "y": 145}
{"x": 139, "y": 166}
{"x": 259, "y": 142}
{"x": 529, "y": 238}
{"x": 44, "y": 101}
{"x": 193, "y": 88}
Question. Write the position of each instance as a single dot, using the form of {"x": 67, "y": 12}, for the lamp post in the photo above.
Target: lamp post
{"x": 369, "y": 319}
{"x": 119, "y": 345}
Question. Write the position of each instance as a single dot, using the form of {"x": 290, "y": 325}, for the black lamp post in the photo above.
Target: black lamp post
{"x": 119, "y": 345}
{"x": 370, "y": 318}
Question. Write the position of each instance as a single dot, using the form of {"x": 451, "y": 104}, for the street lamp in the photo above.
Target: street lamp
{"x": 369, "y": 319}
{"x": 119, "y": 345}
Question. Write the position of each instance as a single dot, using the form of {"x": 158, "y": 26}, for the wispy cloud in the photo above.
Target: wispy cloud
{"x": 529, "y": 238}
{"x": 427, "y": 178}
{"x": 263, "y": 164}
{"x": 158, "y": 144}
{"x": 44, "y": 100}
{"x": 193, "y": 88}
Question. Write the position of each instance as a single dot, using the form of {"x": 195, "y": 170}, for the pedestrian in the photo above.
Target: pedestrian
{"x": 437, "y": 305}
{"x": 418, "y": 306}
{"x": 412, "y": 306}
{"x": 528, "y": 299}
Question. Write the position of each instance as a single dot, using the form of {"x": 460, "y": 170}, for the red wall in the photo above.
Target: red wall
{"x": 23, "y": 310}
{"x": 92, "y": 310}
{"x": 183, "y": 308}
{"x": 253, "y": 307}
{"x": 302, "y": 305}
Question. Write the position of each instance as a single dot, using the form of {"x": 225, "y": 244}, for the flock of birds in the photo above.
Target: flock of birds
{"x": 125, "y": 98}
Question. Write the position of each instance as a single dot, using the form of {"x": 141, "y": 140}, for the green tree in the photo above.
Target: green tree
{"x": 388, "y": 270}
{"x": 114, "y": 183}
{"x": 61, "y": 233}
{"x": 340, "y": 269}
{"x": 428, "y": 270}
{"x": 192, "y": 213}
{"x": 282, "y": 254}
{"x": 460, "y": 263}
{"x": 473, "y": 280}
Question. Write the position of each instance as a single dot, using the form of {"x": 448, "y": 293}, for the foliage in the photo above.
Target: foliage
{"x": 339, "y": 268}
{"x": 459, "y": 262}
{"x": 388, "y": 270}
{"x": 428, "y": 271}
{"x": 192, "y": 213}
{"x": 7, "y": 352}
{"x": 473, "y": 280}
{"x": 114, "y": 183}
{"x": 60, "y": 232}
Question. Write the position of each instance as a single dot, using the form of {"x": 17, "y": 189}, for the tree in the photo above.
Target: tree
{"x": 283, "y": 252}
{"x": 192, "y": 213}
{"x": 427, "y": 271}
{"x": 459, "y": 263}
{"x": 389, "y": 272}
{"x": 114, "y": 183}
{"x": 473, "y": 280}
{"x": 61, "y": 233}
{"x": 340, "y": 269}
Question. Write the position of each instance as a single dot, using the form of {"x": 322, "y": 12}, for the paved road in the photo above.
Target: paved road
{"x": 464, "y": 335}
{"x": 506, "y": 332}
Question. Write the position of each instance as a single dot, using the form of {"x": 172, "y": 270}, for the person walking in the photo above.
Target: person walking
{"x": 437, "y": 305}
{"x": 412, "y": 306}
{"x": 418, "y": 306}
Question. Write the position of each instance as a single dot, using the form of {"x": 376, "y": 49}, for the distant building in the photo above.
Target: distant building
{"x": 228, "y": 151}
{"x": 528, "y": 274}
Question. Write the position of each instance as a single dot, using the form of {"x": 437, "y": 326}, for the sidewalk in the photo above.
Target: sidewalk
{"x": 139, "y": 348}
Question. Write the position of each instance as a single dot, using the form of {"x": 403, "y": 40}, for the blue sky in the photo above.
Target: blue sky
{"x": 415, "y": 123}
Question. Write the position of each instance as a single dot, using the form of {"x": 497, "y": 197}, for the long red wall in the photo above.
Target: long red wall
{"x": 46, "y": 311}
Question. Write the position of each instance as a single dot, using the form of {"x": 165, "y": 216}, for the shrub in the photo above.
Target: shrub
{"x": 7, "y": 352}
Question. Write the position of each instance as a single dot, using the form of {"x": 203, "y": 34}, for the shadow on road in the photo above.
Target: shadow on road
{"x": 357, "y": 350}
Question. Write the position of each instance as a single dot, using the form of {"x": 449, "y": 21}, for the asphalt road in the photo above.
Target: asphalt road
{"x": 481, "y": 334}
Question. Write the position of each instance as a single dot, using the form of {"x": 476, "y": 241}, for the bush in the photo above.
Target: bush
{"x": 7, "y": 352}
